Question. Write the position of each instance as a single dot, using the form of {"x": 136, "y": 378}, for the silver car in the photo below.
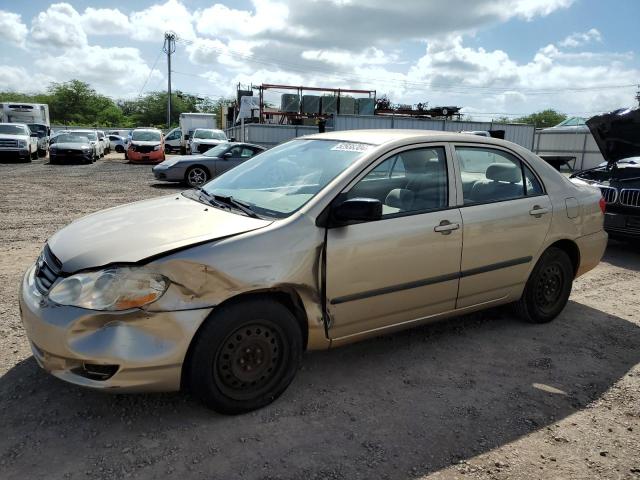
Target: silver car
{"x": 196, "y": 170}
{"x": 319, "y": 242}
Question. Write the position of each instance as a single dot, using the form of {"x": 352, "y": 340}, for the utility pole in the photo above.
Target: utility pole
{"x": 638, "y": 95}
{"x": 169, "y": 47}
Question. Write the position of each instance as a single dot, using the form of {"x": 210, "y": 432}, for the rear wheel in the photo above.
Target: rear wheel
{"x": 33, "y": 155}
{"x": 548, "y": 288}
{"x": 196, "y": 176}
{"x": 119, "y": 149}
{"x": 244, "y": 356}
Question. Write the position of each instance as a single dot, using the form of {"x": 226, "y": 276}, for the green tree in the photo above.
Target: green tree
{"x": 543, "y": 119}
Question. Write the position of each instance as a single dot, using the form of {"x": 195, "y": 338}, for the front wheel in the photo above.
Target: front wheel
{"x": 548, "y": 288}
{"x": 244, "y": 356}
{"x": 196, "y": 176}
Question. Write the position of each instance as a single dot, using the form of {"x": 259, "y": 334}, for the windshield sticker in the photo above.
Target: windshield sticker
{"x": 351, "y": 147}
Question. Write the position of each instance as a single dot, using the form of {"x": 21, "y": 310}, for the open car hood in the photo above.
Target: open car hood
{"x": 617, "y": 134}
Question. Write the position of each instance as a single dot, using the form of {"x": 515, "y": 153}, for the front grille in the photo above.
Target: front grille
{"x": 609, "y": 194}
{"x": 5, "y": 143}
{"x": 143, "y": 148}
{"x": 48, "y": 269}
{"x": 630, "y": 197}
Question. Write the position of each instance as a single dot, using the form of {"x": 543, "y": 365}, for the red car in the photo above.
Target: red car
{"x": 146, "y": 146}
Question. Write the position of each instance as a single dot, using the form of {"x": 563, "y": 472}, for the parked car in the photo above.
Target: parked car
{"x": 43, "y": 132}
{"x": 92, "y": 135}
{"x": 117, "y": 143}
{"x": 146, "y": 145}
{"x": 104, "y": 138}
{"x": 173, "y": 140}
{"x": 18, "y": 142}
{"x": 196, "y": 170}
{"x": 202, "y": 139}
{"x": 72, "y": 146}
{"x": 316, "y": 243}
{"x": 617, "y": 135}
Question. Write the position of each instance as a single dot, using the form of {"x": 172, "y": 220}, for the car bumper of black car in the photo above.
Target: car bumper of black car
{"x": 622, "y": 225}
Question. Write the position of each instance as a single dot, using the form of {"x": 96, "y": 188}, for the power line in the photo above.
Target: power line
{"x": 460, "y": 88}
{"x": 150, "y": 72}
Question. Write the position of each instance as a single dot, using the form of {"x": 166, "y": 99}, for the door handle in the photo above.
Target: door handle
{"x": 537, "y": 210}
{"x": 446, "y": 227}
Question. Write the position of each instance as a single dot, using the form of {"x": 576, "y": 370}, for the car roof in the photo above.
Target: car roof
{"x": 212, "y": 129}
{"x": 244, "y": 143}
{"x": 383, "y": 136}
{"x": 146, "y": 129}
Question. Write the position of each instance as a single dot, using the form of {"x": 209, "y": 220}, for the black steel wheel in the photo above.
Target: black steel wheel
{"x": 119, "y": 149}
{"x": 548, "y": 288}
{"x": 244, "y": 356}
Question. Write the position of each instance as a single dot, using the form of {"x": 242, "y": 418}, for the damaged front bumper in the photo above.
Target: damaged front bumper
{"x": 124, "y": 351}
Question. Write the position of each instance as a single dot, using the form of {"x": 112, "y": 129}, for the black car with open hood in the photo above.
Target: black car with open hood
{"x": 617, "y": 135}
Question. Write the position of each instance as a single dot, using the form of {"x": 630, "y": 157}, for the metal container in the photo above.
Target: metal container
{"x": 347, "y": 106}
{"x": 329, "y": 104}
{"x": 365, "y": 106}
{"x": 311, "y": 104}
{"x": 290, "y": 102}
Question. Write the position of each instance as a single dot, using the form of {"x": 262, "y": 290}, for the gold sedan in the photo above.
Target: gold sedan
{"x": 319, "y": 242}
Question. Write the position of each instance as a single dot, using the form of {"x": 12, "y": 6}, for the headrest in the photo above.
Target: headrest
{"x": 400, "y": 198}
{"x": 415, "y": 161}
{"x": 504, "y": 172}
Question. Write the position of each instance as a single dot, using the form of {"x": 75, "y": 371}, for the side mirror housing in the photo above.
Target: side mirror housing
{"x": 232, "y": 139}
{"x": 228, "y": 155}
{"x": 358, "y": 210}
{"x": 186, "y": 136}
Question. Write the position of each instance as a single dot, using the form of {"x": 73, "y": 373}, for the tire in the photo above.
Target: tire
{"x": 548, "y": 287}
{"x": 183, "y": 151}
{"x": 119, "y": 149}
{"x": 42, "y": 153}
{"x": 244, "y": 356}
{"x": 126, "y": 157}
{"x": 196, "y": 176}
{"x": 33, "y": 155}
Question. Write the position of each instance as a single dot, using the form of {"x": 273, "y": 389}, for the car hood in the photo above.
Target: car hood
{"x": 137, "y": 231}
{"x": 186, "y": 159}
{"x": 617, "y": 134}
{"x": 71, "y": 146}
{"x": 209, "y": 141}
{"x": 6, "y": 136}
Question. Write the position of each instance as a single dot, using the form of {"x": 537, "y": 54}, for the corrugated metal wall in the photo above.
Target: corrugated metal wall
{"x": 520, "y": 134}
{"x": 579, "y": 144}
{"x": 270, "y": 135}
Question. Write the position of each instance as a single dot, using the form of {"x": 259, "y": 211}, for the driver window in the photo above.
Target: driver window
{"x": 411, "y": 181}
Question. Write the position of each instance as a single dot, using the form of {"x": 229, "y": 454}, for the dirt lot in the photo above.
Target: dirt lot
{"x": 482, "y": 397}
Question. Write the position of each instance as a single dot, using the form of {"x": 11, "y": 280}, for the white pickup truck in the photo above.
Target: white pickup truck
{"x": 18, "y": 142}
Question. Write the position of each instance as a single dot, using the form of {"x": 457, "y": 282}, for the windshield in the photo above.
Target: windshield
{"x": 210, "y": 134}
{"x": 13, "y": 130}
{"x": 216, "y": 151}
{"x": 281, "y": 180}
{"x": 70, "y": 138}
{"x": 145, "y": 136}
{"x": 41, "y": 130}
{"x": 89, "y": 135}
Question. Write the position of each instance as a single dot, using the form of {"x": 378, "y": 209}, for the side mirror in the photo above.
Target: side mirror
{"x": 186, "y": 136}
{"x": 358, "y": 209}
{"x": 232, "y": 139}
{"x": 228, "y": 155}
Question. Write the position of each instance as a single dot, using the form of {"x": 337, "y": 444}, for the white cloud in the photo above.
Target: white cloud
{"x": 113, "y": 71}
{"x": 105, "y": 21}
{"x": 12, "y": 29}
{"x": 151, "y": 23}
{"x": 369, "y": 56}
{"x": 579, "y": 39}
{"x": 18, "y": 79}
{"x": 59, "y": 26}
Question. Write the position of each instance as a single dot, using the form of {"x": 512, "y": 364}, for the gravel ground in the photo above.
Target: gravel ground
{"x": 482, "y": 396}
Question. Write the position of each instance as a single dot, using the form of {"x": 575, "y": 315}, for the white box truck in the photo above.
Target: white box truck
{"x": 35, "y": 115}
{"x": 189, "y": 122}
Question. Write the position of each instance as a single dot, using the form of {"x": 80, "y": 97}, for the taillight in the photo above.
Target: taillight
{"x": 603, "y": 205}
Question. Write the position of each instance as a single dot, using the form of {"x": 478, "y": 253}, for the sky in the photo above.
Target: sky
{"x": 491, "y": 57}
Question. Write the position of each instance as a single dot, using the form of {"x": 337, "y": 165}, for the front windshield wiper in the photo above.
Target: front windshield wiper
{"x": 229, "y": 200}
